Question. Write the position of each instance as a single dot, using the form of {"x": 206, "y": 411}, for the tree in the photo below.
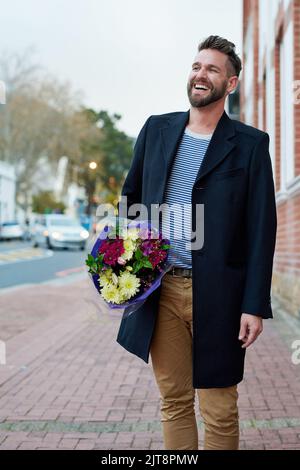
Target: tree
{"x": 45, "y": 202}
{"x": 90, "y": 151}
{"x": 44, "y": 120}
{"x": 37, "y": 121}
{"x": 117, "y": 152}
{"x": 111, "y": 149}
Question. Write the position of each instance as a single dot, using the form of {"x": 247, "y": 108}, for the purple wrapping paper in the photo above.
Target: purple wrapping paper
{"x": 139, "y": 299}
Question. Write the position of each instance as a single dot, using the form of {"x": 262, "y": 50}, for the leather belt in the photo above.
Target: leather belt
{"x": 182, "y": 272}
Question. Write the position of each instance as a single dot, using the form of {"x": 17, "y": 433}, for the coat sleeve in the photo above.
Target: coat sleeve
{"x": 132, "y": 187}
{"x": 261, "y": 225}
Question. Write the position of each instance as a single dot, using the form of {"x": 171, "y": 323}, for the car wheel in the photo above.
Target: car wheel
{"x": 48, "y": 243}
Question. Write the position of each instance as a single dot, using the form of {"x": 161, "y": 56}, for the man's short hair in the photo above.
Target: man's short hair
{"x": 228, "y": 48}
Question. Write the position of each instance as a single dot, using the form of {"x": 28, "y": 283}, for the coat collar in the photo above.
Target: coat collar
{"x": 218, "y": 148}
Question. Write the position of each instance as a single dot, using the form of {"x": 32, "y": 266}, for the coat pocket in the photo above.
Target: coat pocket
{"x": 229, "y": 173}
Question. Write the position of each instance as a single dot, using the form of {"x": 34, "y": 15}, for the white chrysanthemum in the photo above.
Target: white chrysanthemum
{"x": 129, "y": 284}
{"x": 103, "y": 281}
{"x": 132, "y": 234}
{"x": 129, "y": 247}
{"x": 127, "y": 255}
{"x": 107, "y": 273}
{"x": 105, "y": 277}
{"x": 112, "y": 294}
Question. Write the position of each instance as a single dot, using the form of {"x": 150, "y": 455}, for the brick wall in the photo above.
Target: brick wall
{"x": 286, "y": 273}
{"x": 296, "y": 15}
{"x": 277, "y": 105}
{"x": 251, "y": 11}
{"x": 286, "y": 279}
{"x": 255, "y": 13}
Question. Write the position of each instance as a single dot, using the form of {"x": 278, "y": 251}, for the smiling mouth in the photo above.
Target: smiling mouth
{"x": 198, "y": 87}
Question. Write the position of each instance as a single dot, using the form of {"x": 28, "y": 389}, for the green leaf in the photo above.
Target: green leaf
{"x": 165, "y": 247}
{"x": 138, "y": 254}
{"x": 90, "y": 259}
{"x": 99, "y": 260}
{"x": 137, "y": 266}
{"x": 147, "y": 264}
{"x": 89, "y": 262}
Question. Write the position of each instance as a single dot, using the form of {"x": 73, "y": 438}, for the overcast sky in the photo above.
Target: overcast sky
{"x": 131, "y": 57}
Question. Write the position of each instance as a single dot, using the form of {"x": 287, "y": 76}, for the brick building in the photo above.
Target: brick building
{"x": 270, "y": 100}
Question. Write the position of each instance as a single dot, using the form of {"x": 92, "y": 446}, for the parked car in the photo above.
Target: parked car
{"x": 27, "y": 227}
{"x": 11, "y": 230}
{"x": 59, "y": 231}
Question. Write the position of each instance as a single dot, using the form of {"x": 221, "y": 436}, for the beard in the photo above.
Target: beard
{"x": 213, "y": 95}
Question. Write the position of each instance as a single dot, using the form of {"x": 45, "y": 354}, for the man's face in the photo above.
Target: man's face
{"x": 209, "y": 71}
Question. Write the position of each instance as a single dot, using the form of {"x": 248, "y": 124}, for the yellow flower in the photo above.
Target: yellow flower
{"x": 129, "y": 284}
{"x": 129, "y": 247}
{"x": 111, "y": 293}
{"x": 132, "y": 234}
{"x": 105, "y": 277}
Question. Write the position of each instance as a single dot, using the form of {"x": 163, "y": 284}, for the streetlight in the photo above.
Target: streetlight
{"x": 93, "y": 165}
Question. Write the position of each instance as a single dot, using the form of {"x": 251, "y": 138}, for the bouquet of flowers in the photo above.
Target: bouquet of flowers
{"x": 127, "y": 263}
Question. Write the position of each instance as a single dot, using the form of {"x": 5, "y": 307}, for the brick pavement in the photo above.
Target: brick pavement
{"x": 67, "y": 384}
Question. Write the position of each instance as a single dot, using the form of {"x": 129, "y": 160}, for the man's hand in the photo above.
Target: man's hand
{"x": 251, "y": 327}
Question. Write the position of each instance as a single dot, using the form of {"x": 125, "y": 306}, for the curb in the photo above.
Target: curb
{"x": 55, "y": 282}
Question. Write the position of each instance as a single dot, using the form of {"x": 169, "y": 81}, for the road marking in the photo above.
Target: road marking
{"x": 50, "y": 426}
{"x": 66, "y": 272}
{"x": 23, "y": 254}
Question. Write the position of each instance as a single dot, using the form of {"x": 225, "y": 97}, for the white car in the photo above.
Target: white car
{"x": 11, "y": 230}
{"x": 59, "y": 231}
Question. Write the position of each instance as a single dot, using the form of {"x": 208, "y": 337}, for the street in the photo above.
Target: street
{"x": 20, "y": 263}
{"x": 67, "y": 384}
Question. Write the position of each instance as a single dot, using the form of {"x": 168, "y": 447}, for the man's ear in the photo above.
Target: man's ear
{"x": 232, "y": 84}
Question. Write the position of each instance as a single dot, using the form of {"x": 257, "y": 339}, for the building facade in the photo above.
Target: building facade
{"x": 7, "y": 193}
{"x": 270, "y": 100}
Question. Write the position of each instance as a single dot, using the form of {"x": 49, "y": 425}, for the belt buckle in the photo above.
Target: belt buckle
{"x": 181, "y": 272}
{"x": 172, "y": 272}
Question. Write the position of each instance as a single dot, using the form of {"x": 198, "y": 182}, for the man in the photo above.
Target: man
{"x": 211, "y": 305}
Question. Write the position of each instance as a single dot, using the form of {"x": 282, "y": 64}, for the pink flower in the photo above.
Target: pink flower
{"x": 121, "y": 261}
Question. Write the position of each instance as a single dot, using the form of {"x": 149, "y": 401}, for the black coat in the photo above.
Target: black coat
{"x": 232, "y": 271}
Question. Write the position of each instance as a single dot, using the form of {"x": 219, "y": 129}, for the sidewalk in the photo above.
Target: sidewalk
{"x": 67, "y": 384}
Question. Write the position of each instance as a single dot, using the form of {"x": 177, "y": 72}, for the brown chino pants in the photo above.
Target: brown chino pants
{"x": 171, "y": 355}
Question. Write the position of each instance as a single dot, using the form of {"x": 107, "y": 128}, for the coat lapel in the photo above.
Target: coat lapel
{"x": 219, "y": 146}
{"x": 172, "y": 134}
{"x": 170, "y": 137}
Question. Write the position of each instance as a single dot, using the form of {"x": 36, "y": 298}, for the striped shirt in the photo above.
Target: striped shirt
{"x": 176, "y": 222}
